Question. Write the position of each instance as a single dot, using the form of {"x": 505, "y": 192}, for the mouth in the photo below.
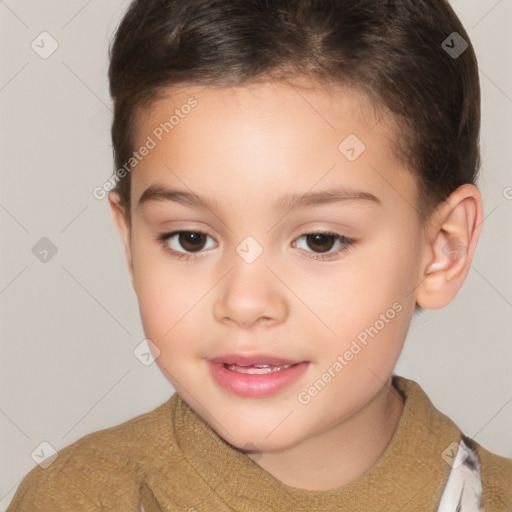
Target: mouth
{"x": 243, "y": 360}
{"x": 255, "y": 376}
{"x": 257, "y": 369}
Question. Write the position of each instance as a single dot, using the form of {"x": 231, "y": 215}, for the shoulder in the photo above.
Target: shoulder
{"x": 101, "y": 470}
{"x": 496, "y": 475}
{"x": 495, "y": 470}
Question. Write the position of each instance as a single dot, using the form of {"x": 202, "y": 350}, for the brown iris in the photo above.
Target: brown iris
{"x": 191, "y": 240}
{"x": 320, "y": 240}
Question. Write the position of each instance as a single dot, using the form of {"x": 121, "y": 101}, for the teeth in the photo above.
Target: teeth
{"x": 257, "y": 369}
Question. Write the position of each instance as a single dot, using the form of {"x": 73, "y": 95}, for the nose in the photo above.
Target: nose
{"x": 249, "y": 295}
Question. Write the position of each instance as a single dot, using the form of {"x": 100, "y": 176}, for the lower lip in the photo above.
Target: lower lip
{"x": 256, "y": 385}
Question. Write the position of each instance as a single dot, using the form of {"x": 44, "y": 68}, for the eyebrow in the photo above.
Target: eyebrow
{"x": 287, "y": 202}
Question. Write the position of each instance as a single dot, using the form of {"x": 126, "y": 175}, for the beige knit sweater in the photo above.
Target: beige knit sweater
{"x": 169, "y": 459}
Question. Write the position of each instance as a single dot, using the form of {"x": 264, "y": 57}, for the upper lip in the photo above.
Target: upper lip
{"x": 249, "y": 360}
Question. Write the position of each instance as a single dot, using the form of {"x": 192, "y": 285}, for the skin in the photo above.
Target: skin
{"x": 245, "y": 147}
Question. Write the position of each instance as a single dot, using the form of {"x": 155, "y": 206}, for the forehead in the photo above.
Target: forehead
{"x": 263, "y": 139}
{"x": 255, "y": 103}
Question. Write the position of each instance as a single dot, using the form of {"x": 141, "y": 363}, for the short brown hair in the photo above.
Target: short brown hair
{"x": 394, "y": 51}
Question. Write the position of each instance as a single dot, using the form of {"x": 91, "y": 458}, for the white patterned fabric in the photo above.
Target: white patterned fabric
{"x": 463, "y": 491}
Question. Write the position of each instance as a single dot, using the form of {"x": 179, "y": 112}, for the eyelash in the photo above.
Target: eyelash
{"x": 349, "y": 243}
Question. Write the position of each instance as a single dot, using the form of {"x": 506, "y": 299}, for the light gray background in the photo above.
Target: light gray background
{"x": 70, "y": 325}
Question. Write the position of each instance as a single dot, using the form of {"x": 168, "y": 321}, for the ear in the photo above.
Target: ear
{"x": 451, "y": 241}
{"x": 123, "y": 226}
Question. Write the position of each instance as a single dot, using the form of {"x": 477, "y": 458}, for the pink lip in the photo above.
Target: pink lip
{"x": 254, "y": 385}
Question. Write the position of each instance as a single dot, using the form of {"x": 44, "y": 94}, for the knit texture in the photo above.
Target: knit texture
{"x": 169, "y": 459}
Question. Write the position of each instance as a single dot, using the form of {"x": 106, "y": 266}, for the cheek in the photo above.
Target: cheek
{"x": 353, "y": 294}
{"x": 156, "y": 288}
{"x": 171, "y": 301}
{"x": 365, "y": 305}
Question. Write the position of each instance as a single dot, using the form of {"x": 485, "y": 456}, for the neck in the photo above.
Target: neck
{"x": 342, "y": 453}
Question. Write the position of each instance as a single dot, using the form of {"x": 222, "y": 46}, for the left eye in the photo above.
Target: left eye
{"x": 323, "y": 242}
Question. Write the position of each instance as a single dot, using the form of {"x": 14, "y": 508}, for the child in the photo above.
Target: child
{"x": 246, "y": 134}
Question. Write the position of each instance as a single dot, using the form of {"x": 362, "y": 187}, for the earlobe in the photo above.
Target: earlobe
{"x": 454, "y": 233}
{"x": 123, "y": 227}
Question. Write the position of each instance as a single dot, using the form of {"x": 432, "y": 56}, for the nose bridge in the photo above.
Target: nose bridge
{"x": 250, "y": 292}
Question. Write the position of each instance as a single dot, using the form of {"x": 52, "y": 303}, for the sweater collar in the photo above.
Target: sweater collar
{"x": 410, "y": 474}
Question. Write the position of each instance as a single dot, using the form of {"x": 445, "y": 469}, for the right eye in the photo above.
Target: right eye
{"x": 190, "y": 241}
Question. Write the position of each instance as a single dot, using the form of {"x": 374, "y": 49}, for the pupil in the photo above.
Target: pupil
{"x": 319, "y": 240}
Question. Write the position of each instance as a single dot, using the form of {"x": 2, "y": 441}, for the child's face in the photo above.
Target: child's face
{"x": 245, "y": 149}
